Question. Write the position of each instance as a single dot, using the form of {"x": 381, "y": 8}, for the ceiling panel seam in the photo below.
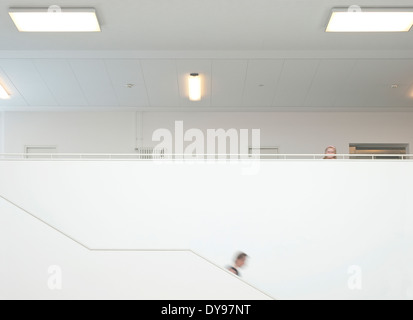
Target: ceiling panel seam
{"x": 177, "y": 83}
{"x": 144, "y": 82}
{"x": 277, "y": 83}
{"x": 245, "y": 82}
{"x": 33, "y": 61}
{"x": 316, "y": 71}
{"x": 78, "y": 82}
{"x": 14, "y": 86}
{"x": 212, "y": 86}
{"x": 210, "y": 82}
{"x": 347, "y": 78}
{"x": 111, "y": 82}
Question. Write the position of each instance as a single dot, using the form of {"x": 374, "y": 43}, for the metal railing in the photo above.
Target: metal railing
{"x": 193, "y": 157}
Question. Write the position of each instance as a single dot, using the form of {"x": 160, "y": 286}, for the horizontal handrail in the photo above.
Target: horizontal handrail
{"x": 161, "y": 156}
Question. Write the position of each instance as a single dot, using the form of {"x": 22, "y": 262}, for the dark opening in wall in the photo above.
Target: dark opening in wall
{"x": 379, "y": 150}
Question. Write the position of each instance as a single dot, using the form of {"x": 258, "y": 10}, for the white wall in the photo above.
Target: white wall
{"x": 28, "y": 248}
{"x": 292, "y": 132}
{"x": 303, "y": 223}
{"x": 299, "y": 132}
{"x": 81, "y": 132}
{"x": 2, "y": 122}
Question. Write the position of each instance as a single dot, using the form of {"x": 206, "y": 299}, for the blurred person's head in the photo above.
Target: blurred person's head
{"x": 240, "y": 260}
{"x": 330, "y": 152}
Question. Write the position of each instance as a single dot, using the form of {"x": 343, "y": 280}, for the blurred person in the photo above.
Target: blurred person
{"x": 239, "y": 262}
{"x": 330, "y": 153}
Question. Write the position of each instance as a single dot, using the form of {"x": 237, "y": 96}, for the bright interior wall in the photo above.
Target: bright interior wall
{"x": 304, "y": 224}
{"x": 2, "y": 129}
{"x": 299, "y": 132}
{"x": 71, "y": 132}
{"x": 117, "y": 132}
{"x": 30, "y": 248}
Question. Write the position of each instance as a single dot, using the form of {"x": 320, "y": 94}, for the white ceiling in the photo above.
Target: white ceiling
{"x": 204, "y": 25}
{"x": 227, "y": 83}
{"x": 251, "y": 53}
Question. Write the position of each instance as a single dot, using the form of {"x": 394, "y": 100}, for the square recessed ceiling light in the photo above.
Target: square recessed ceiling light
{"x": 356, "y": 19}
{"x": 62, "y": 20}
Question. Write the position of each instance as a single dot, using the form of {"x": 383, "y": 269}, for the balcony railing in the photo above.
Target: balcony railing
{"x": 194, "y": 157}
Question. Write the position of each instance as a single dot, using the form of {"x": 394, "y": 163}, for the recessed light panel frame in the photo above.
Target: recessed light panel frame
{"x": 359, "y": 19}
{"x": 64, "y": 20}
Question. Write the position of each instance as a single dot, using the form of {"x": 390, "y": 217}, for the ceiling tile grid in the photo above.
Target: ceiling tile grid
{"x": 128, "y": 82}
{"x": 226, "y": 83}
{"x": 261, "y": 82}
{"x": 296, "y": 80}
{"x": 161, "y": 78}
{"x": 329, "y": 82}
{"x": 16, "y": 100}
{"x": 28, "y": 81}
{"x": 61, "y": 81}
{"x": 93, "y": 78}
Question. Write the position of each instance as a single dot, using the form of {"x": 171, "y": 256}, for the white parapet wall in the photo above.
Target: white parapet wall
{"x": 39, "y": 262}
{"x": 312, "y": 229}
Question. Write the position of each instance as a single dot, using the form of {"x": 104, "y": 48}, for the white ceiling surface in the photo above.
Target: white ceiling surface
{"x": 204, "y": 25}
{"x": 250, "y": 54}
{"x": 163, "y": 83}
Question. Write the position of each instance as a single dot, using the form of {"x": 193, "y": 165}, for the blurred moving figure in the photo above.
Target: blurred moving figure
{"x": 239, "y": 263}
{"x": 330, "y": 152}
